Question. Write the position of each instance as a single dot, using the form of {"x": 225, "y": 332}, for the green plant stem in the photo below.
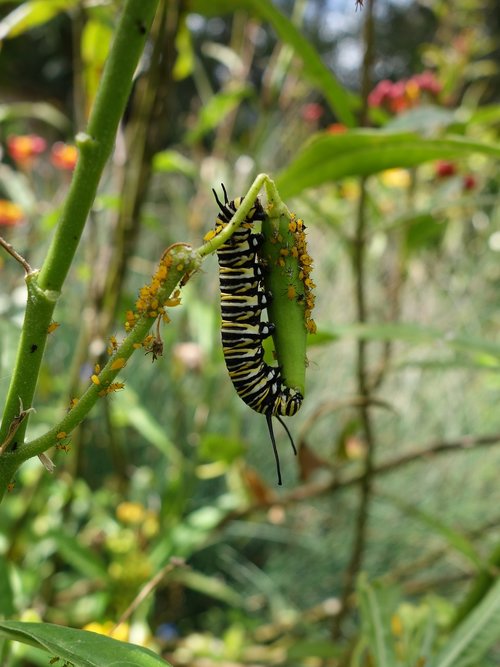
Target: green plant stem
{"x": 211, "y": 246}
{"x": 94, "y": 149}
{"x": 185, "y": 260}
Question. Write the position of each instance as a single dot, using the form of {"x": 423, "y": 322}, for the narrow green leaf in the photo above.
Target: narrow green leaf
{"x": 217, "y": 447}
{"x": 475, "y": 635}
{"x": 6, "y": 595}
{"x": 326, "y": 157}
{"x": 413, "y": 333}
{"x": 456, "y": 540}
{"x": 216, "y": 109}
{"x": 80, "y": 647}
{"x": 127, "y": 410}
{"x": 173, "y": 161}
{"x": 211, "y": 586}
{"x": 31, "y": 14}
{"x": 375, "y": 618}
{"x": 80, "y": 557}
{"x": 487, "y": 115}
{"x": 184, "y": 64}
{"x": 315, "y": 71}
{"x": 38, "y": 110}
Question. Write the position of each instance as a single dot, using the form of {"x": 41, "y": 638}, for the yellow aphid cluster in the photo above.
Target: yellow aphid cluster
{"x": 297, "y": 227}
{"x": 112, "y": 345}
{"x": 298, "y": 250}
{"x": 148, "y": 302}
{"x": 114, "y": 386}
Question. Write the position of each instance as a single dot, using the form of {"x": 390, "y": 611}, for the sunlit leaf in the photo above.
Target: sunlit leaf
{"x": 95, "y": 44}
{"x": 184, "y": 62}
{"x": 80, "y": 647}
{"x": 214, "y": 446}
{"x": 214, "y": 587}
{"x": 35, "y": 110}
{"x": 414, "y": 333}
{"x": 31, "y": 14}
{"x": 478, "y": 633}
{"x": 216, "y": 109}
{"x": 173, "y": 161}
{"x": 327, "y": 158}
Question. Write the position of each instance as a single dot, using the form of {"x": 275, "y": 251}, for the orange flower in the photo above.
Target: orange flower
{"x": 23, "y": 148}
{"x": 63, "y": 156}
{"x": 336, "y": 128}
{"x": 10, "y": 214}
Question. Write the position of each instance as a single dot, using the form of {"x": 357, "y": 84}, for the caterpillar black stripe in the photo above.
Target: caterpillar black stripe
{"x": 243, "y": 297}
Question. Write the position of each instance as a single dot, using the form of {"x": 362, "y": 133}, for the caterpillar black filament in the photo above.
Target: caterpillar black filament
{"x": 243, "y": 297}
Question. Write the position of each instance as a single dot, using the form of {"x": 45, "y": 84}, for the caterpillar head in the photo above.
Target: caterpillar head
{"x": 288, "y": 402}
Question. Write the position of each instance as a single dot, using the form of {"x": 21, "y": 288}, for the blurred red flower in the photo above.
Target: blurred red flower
{"x": 10, "y": 214}
{"x": 23, "y": 148}
{"x": 397, "y": 96}
{"x": 445, "y": 168}
{"x": 312, "y": 112}
{"x": 63, "y": 156}
{"x": 469, "y": 182}
{"x": 427, "y": 81}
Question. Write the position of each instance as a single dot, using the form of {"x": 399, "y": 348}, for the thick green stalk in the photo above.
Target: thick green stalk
{"x": 95, "y": 147}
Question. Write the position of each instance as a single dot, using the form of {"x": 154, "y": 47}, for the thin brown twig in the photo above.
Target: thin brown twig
{"x": 335, "y": 484}
{"x": 173, "y": 564}
{"x": 12, "y": 251}
{"x": 327, "y": 407}
{"x": 362, "y": 372}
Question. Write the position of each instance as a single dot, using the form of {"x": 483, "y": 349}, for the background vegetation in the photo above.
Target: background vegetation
{"x": 162, "y": 524}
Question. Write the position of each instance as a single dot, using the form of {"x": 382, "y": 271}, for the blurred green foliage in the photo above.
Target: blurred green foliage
{"x": 173, "y": 477}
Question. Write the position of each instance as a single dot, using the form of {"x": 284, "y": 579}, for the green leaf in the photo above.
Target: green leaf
{"x": 30, "y": 14}
{"x": 211, "y": 586}
{"x": 422, "y": 231}
{"x": 317, "y": 648}
{"x": 216, "y": 447}
{"x": 374, "y": 603}
{"x": 315, "y": 71}
{"x": 82, "y": 648}
{"x": 18, "y": 188}
{"x": 427, "y": 119}
{"x": 83, "y": 559}
{"x": 487, "y": 115}
{"x": 173, "y": 161}
{"x": 35, "y": 110}
{"x": 184, "y": 64}
{"x": 6, "y": 595}
{"x": 413, "y": 333}
{"x": 216, "y": 109}
{"x": 475, "y": 635}
{"x": 127, "y": 410}
{"x": 326, "y": 157}
{"x": 459, "y": 542}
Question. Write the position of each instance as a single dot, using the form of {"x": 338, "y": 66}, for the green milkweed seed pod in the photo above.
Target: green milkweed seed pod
{"x": 287, "y": 276}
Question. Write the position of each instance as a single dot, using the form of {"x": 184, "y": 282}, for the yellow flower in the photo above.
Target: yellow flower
{"x": 10, "y": 214}
{"x": 130, "y": 513}
{"x": 396, "y": 178}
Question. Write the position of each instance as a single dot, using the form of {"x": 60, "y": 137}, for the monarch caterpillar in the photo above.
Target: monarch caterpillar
{"x": 258, "y": 384}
